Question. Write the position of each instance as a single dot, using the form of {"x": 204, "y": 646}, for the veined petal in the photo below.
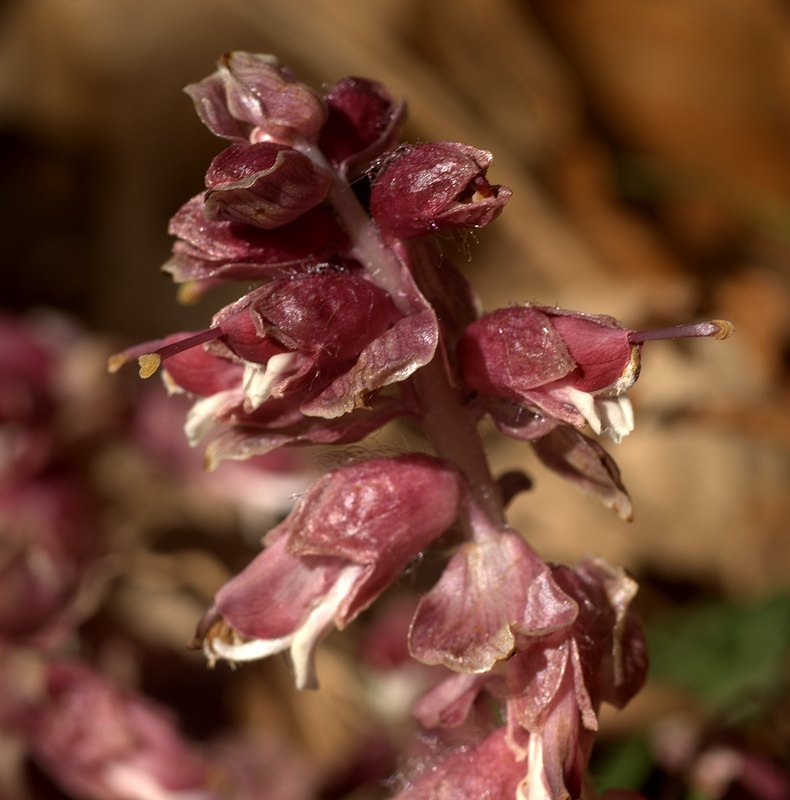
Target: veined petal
{"x": 491, "y": 591}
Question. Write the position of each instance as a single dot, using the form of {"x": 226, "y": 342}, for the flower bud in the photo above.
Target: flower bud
{"x": 436, "y": 186}
{"x": 252, "y": 97}
{"x": 364, "y": 122}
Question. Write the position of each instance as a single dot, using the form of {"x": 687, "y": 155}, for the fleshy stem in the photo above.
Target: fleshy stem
{"x": 445, "y": 422}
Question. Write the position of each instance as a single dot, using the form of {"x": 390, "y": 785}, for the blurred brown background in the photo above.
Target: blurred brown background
{"x": 647, "y": 148}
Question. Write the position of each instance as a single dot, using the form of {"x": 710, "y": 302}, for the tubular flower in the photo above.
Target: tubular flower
{"x": 435, "y": 186}
{"x": 98, "y": 741}
{"x": 347, "y": 539}
{"x": 563, "y": 366}
{"x": 551, "y": 689}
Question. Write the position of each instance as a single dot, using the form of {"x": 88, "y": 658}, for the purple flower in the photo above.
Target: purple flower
{"x": 100, "y": 742}
{"x": 364, "y": 122}
{"x": 433, "y": 187}
{"x": 562, "y": 366}
{"x": 254, "y": 98}
{"x": 553, "y": 685}
{"x": 348, "y": 538}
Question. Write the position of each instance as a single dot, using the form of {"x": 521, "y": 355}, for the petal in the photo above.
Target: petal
{"x": 617, "y": 416}
{"x": 264, "y": 184}
{"x": 583, "y": 461}
{"x": 602, "y": 353}
{"x": 490, "y": 592}
{"x": 379, "y": 513}
{"x": 392, "y": 357}
{"x": 247, "y": 437}
{"x": 275, "y": 593}
{"x": 510, "y": 351}
{"x": 336, "y": 313}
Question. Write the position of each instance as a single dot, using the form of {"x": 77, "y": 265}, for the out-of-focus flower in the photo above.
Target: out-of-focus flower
{"x": 100, "y": 742}
{"x": 433, "y": 187}
{"x": 486, "y": 770}
{"x": 26, "y": 401}
{"x": 348, "y": 538}
{"x": 247, "y": 764}
{"x": 563, "y": 366}
{"x": 48, "y": 537}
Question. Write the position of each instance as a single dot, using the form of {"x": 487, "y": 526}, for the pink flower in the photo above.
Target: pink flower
{"x": 267, "y": 185}
{"x": 553, "y": 686}
{"x": 254, "y": 98}
{"x": 363, "y": 122}
{"x": 563, "y": 366}
{"x": 348, "y": 538}
{"x": 493, "y": 594}
{"x": 100, "y": 742}
{"x": 486, "y": 770}
{"x": 435, "y": 186}
{"x": 49, "y": 538}
{"x": 227, "y": 249}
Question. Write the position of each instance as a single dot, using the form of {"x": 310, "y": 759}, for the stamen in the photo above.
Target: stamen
{"x": 189, "y": 342}
{"x": 150, "y": 362}
{"x": 715, "y": 328}
{"x": 149, "y": 356}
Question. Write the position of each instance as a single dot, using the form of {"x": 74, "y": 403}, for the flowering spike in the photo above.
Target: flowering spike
{"x": 715, "y": 329}
{"x": 355, "y": 319}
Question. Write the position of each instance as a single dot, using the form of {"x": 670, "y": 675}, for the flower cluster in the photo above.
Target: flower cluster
{"x": 356, "y": 318}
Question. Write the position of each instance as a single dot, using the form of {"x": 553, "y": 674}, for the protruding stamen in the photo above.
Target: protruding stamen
{"x": 715, "y": 328}
{"x": 149, "y": 356}
{"x": 189, "y": 342}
